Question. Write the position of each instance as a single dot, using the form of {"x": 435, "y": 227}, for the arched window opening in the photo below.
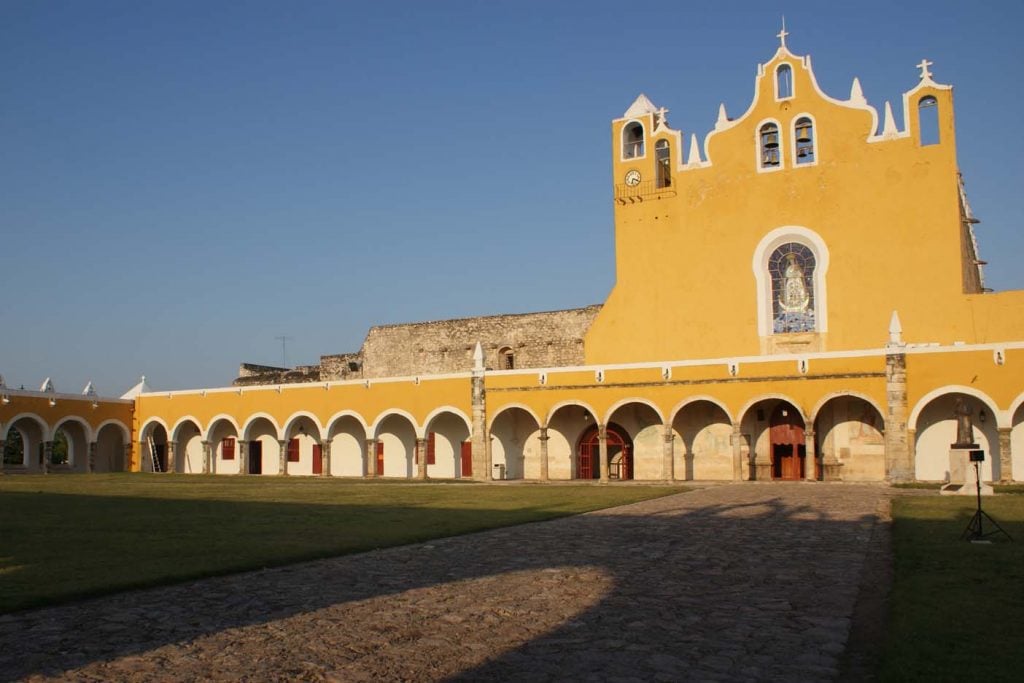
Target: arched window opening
{"x": 60, "y": 454}
{"x": 632, "y": 141}
{"x": 662, "y": 153}
{"x": 791, "y": 268}
{"x": 783, "y": 82}
{"x": 506, "y": 359}
{"x": 14, "y": 448}
{"x": 928, "y": 120}
{"x": 770, "y": 146}
{"x": 804, "y": 132}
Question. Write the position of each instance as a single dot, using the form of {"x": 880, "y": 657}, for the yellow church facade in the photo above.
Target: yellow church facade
{"x": 798, "y": 296}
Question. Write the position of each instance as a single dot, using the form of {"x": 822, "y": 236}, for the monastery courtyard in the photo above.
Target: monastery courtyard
{"x": 744, "y": 581}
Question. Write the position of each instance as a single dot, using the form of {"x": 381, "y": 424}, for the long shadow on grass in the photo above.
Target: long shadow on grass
{"x": 765, "y": 581}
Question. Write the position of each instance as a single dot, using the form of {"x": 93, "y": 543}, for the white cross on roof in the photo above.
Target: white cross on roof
{"x": 923, "y": 66}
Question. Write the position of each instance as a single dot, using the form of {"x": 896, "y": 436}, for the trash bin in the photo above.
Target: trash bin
{"x": 499, "y": 471}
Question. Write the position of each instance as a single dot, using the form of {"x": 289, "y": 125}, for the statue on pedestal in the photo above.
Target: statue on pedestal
{"x": 964, "y": 429}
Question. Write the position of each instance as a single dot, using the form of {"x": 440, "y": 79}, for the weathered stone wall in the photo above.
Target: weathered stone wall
{"x": 251, "y": 374}
{"x": 536, "y": 340}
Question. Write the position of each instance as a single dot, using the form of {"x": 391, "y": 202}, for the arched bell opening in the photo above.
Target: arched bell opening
{"x": 619, "y": 453}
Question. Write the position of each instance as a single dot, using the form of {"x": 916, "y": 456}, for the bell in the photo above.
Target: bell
{"x": 771, "y": 140}
{"x": 802, "y": 152}
{"x": 803, "y": 134}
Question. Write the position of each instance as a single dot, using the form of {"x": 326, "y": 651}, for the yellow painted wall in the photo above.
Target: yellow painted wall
{"x": 887, "y": 210}
{"x": 65, "y": 406}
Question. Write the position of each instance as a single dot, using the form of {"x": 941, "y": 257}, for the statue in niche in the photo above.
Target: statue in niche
{"x": 794, "y": 297}
{"x": 964, "y": 429}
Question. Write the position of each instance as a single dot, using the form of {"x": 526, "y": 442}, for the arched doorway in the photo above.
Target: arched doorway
{"x": 788, "y": 446}
{"x": 620, "y": 454}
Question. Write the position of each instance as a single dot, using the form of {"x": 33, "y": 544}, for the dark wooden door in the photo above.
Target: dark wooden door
{"x": 380, "y": 458}
{"x": 255, "y": 457}
{"x": 787, "y": 443}
{"x": 467, "y": 459}
{"x": 318, "y": 459}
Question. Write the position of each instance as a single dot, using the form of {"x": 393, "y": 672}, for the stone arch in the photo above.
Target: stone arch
{"x": 566, "y": 422}
{"x": 843, "y": 393}
{"x": 619, "y": 449}
{"x": 187, "y": 437}
{"x": 956, "y": 389}
{"x": 153, "y": 439}
{"x": 935, "y": 430}
{"x": 294, "y": 419}
{"x": 347, "y": 432}
{"x": 263, "y": 435}
{"x": 390, "y": 412}
{"x": 223, "y": 435}
{"x": 1016, "y": 413}
{"x": 86, "y": 427}
{"x": 514, "y": 434}
{"x": 644, "y": 427}
{"x": 246, "y": 428}
{"x": 112, "y": 440}
{"x": 849, "y": 433}
{"x": 700, "y": 397}
{"x": 395, "y": 433}
{"x": 33, "y": 431}
{"x": 44, "y": 429}
{"x": 446, "y": 430}
{"x": 771, "y": 436}
{"x": 702, "y": 434}
{"x": 510, "y": 406}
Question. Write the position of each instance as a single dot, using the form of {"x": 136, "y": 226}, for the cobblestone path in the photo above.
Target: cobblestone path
{"x": 736, "y": 582}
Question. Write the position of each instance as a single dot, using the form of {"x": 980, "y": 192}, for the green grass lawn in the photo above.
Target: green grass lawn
{"x": 956, "y": 608}
{"x": 69, "y": 536}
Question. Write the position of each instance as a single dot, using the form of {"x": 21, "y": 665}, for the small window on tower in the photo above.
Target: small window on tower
{"x": 506, "y": 359}
{"x": 769, "y": 146}
{"x": 804, "y": 131}
{"x": 632, "y": 141}
{"x": 662, "y": 154}
{"x": 928, "y": 120}
{"x": 783, "y": 82}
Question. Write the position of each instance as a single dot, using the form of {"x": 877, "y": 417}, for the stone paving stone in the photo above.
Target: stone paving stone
{"x": 752, "y": 582}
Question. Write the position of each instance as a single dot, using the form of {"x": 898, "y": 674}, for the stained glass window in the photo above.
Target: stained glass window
{"x": 791, "y": 268}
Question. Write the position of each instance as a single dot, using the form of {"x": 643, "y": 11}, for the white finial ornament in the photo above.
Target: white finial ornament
{"x": 693, "y": 159}
{"x": 661, "y": 116}
{"x": 478, "y": 357}
{"x": 895, "y": 329}
{"x": 47, "y": 386}
{"x": 926, "y": 75}
{"x": 781, "y": 35}
{"x": 856, "y": 93}
{"x": 723, "y": 118}
{"x": 889, "y": 128}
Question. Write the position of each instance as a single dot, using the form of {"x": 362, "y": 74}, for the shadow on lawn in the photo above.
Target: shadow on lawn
{"x": 691, "y": 590}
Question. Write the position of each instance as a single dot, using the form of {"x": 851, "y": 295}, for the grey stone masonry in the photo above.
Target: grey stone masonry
{"x": 899, "y": 463}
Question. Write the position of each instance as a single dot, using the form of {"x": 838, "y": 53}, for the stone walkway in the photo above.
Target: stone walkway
{"x": 748, "y": 582}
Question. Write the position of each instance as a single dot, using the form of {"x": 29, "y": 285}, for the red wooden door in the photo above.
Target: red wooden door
{"x": 318, "y": 459}
{"x": 380, "y": 458}
{"x": 467, "y": 459}
{"x": 787, "y": 443}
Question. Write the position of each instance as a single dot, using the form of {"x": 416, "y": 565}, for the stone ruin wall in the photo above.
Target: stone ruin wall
{"x": 537, "y": 340}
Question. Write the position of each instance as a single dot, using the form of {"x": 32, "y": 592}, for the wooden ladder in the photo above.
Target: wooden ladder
{"x": 153, "y": 456}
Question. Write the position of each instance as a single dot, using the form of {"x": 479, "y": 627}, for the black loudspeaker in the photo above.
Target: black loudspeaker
{"x": 977, "y": 455}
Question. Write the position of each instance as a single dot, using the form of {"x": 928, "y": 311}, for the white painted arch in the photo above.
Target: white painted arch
{"x": 446, "y": 409}
{"x": 219, "y": 418}
{"x": 256, "y": 416}
{"x": 841, "y": 394}
{"x": 509, "y": 406}
{"x": 296, "y": 416}
{"x": 346, "y": 413}
{"x": 125, "y": 432}
{"x": 1017, "y": 402}
{"x": 150, "y": 423}
{"x": 86, "y": 427}
{"x": 1002, "y": 419}
{"x": 768, "y": 397}
{"x": 626, "y": 401}
{"x": 571, "y": 402}
{"x": 173, "y": 434}
{"x": 375, "y": 427}
{"x": 696, "y": 399}
{"x": 44, "y": 429}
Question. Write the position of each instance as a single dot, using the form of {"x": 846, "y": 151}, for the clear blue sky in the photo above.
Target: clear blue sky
{"x": 181, "y": 182}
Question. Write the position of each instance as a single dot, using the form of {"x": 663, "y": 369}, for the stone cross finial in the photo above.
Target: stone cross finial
{"x": 923, "y": 66}
{"x": 661, "y": 115}
{"x": 781, "y": 35}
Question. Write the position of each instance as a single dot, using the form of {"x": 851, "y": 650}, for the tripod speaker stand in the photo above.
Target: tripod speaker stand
{"x": 975, "y": 531}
